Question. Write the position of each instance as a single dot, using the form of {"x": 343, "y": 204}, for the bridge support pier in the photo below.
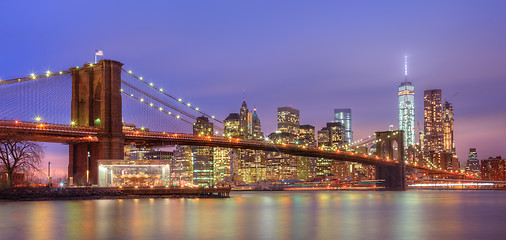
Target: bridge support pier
{"x": 96, "y": 102}
{"x": 394, "y": 176}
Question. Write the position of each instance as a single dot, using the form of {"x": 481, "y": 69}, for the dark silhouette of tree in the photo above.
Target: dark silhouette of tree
{"x": 17, "y": 153}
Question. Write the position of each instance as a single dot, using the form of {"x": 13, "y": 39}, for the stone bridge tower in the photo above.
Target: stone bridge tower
{"x": 96, "y": 102}
{"x": 394, "y": 176}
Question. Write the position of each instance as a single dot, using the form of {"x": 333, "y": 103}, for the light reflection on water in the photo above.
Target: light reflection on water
{"x": 266, "y": 215}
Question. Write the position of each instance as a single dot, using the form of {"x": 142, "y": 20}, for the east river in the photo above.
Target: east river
{"x": 266, "y": 215}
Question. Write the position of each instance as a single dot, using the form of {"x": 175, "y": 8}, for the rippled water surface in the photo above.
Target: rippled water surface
{"x": 266, "y": 215}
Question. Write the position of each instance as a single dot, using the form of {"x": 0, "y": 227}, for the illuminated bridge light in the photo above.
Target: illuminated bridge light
{"x": 131, "y": 95}
{"x": 188, "y": 104}
{"x": 151, "y": 84}
{"x": 151, "y": 104}
{"x": 180, "y": 99}
{"x": 160, "y": 109}
{"x": 161, "y": 89}
{"x": 140, "y": 78}
{"x": 197, "y": 109}
{"x": 142, "y": 99}
{"x": 130, "y": 71}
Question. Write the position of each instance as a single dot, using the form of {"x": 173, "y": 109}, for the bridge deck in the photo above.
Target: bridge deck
{"x": 60, "y": 133}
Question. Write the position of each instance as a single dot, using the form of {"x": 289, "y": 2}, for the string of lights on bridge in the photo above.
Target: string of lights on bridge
{"x": 32, "y": 77}
{"x": 151, "y": 84}
{"x": 165, "y": 104}
{"x": 160, "y": 109}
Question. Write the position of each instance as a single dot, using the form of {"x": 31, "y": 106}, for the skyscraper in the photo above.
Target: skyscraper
{"x": 449, "y": 145}
{"x": 245, "y": 121}
{"x": 473, "y": 164}
{"x": 343, "y": 116}
{"x": 203, "y": 162}
{"x": 203, "y": 127}
{"x": 433, "y": 121}
{"x": 288, "y": 120}
{"x": 336, "y": 134}
{"x": 407, "y": 108}
{"x": 256, "y": 126}
{"x": 231, "y": 125}
{"x": 307, "y": 135}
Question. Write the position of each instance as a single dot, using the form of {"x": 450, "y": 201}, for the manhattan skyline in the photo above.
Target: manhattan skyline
{"x": 315, "y": 57}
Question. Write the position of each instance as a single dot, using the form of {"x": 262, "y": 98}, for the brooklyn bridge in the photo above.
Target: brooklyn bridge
{"x": 94, "y": 127}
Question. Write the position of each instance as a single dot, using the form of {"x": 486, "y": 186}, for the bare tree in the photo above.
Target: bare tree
{"x": 16, "y": 153}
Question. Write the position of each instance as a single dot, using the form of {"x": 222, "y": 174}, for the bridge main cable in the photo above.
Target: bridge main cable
{"x": 170, "y": 96}
{"x": 163, "y": 103}
{"x": 32, "y": 77}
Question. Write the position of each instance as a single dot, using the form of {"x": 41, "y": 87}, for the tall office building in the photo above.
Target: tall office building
{"x": 407, "y": 108}
{"x": 329, "y": 137}
{"x": 244, "y": 165}
{"x": 337, "y": 134}
{"x": 245, "y": 121}
{"x": 473, "y": 164}
{"x": 203, "y": 157}
{"x": 343, "y": 116}
{"x": 231, "y": 125}
{"x": 307, "y": 135}
{"x": 448, "y": 142}
{"x": 203, "y": 127}
{"x": 306, "y": 166}
{"x": 256, "y": 126}
{"x": 433, "y": 121}
{"x": 288, "y": 120}
{"x": 182, "y": 165}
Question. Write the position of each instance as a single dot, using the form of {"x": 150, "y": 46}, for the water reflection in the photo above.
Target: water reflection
{"x": 265, "y": 215}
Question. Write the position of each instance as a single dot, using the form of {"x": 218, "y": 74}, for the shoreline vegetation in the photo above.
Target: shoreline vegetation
{"x": 92, "y": 193}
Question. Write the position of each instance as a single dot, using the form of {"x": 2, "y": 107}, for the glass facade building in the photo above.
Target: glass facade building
{"x": 343, "y": 116}
{"x": 407, "y": 112}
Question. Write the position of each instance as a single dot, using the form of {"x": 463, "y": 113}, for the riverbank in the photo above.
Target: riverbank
{"x": 90, "y": 193}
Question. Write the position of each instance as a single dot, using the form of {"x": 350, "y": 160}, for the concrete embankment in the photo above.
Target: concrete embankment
{"x": 83, "y": 193}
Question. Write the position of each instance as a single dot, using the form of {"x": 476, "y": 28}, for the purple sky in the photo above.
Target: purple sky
{"x": 315, "y": 56}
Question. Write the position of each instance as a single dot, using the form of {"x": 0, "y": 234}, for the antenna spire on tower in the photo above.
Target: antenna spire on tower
{"x": 406, "y": 68}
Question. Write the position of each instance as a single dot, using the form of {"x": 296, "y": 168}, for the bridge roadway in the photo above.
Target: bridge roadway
{"x": 66, "y": 134}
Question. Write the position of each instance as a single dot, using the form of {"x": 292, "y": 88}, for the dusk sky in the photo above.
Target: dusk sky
{"x": 313, "y": 55}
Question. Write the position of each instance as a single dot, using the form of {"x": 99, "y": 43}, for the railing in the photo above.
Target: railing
{"x": 48, "y": 126}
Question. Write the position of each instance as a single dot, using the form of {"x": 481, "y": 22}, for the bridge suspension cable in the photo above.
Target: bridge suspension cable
{"x": 32, "y": 77}
{"x": 151, "y": 105}
{"x": 156, "y": 99}
{"x": 170, "y": 96}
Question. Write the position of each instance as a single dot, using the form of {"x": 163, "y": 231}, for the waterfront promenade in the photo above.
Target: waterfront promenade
{"x": 90, "y": 193}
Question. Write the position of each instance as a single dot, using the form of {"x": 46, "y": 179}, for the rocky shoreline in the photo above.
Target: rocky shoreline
{"x": 81, "y": 193}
